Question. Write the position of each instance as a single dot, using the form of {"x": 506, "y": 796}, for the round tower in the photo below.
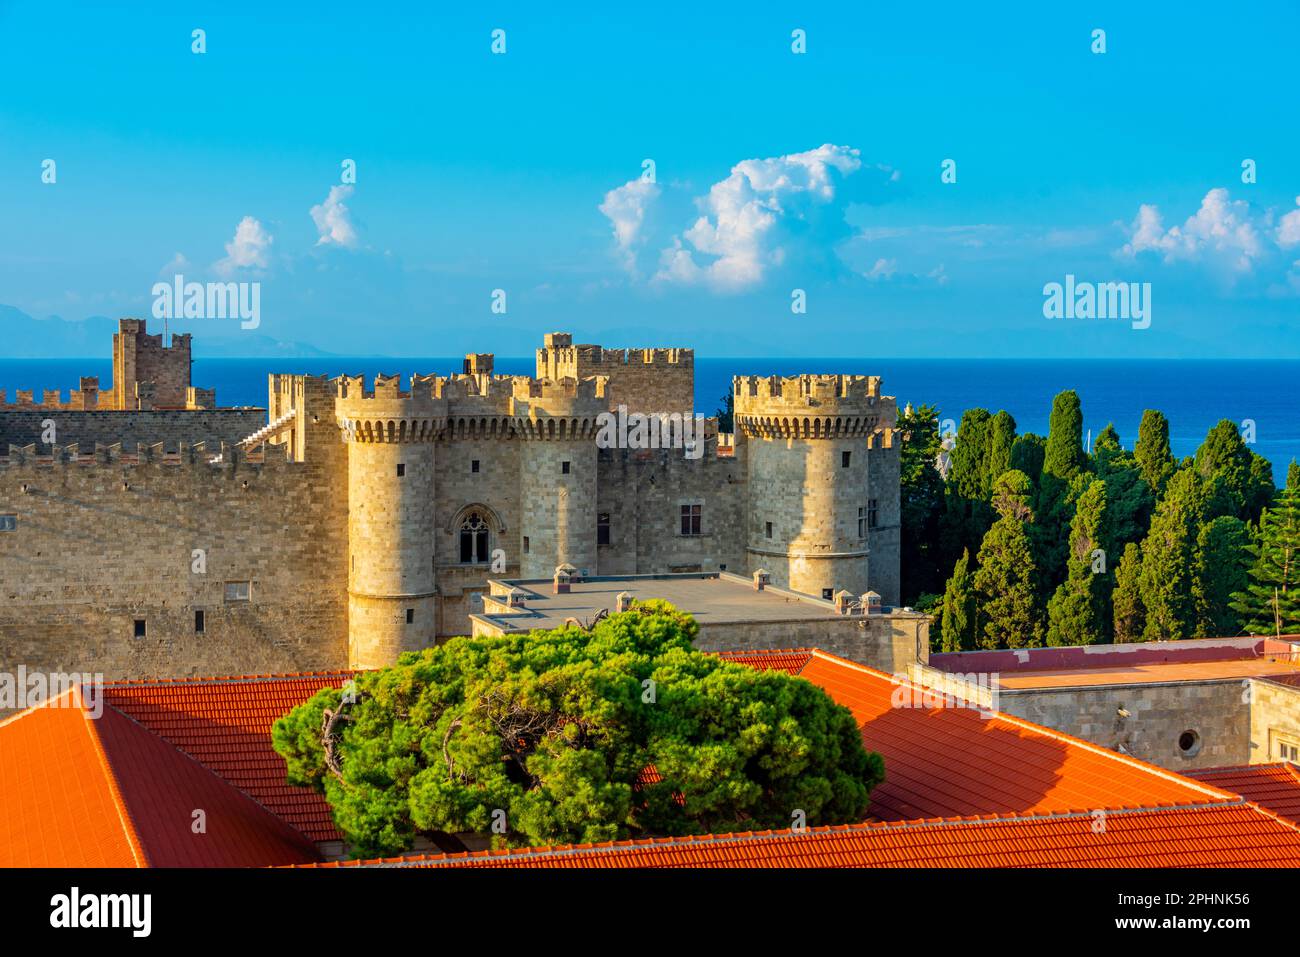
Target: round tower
{"x": 392, "y": 604}
{"x": 810, "y": 500}
{"x": 557, "y": 422}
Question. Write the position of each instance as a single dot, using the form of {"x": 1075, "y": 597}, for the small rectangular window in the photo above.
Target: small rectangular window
{"x": 525, "y": 544}
{"x": 691, "y": 519}
{"x": 769, "y": 529}
{"x": 401, "y": 469}
{"x": 410, "y": 616}
{"x": 862, "y": 523}
{"x": 473, "y": 465}
{"x": 198, "y": 621}
{"x": 602, "y": 528}
{"x": 564, "y": 467}
{"x": 238, "y": 591}
{"x": 139, "y": 627}
{"x": 8, "y": 523}
{"x": 844, "y": 459}
{"x": 828, "y": 594}
{"x": 872, "y": 512}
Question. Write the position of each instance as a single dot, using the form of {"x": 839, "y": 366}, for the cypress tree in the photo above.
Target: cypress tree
{"x": 1076, "y": 614}
{"x": 1064, "y": 456}
{"x": 1270, "y": 602}
{"x": 1001, "y": 439}
{"x": 1129, "y": 616}
{"x": 1106, "y": 450}
{"x": 1169, "y": 560}
{"x": 1154, "y": 458}
{"x": 957, "y": 625}
{"x": 1027, "y": 455}
{"x": 1224, "y": 464}
{"x": 1007, "y": 611}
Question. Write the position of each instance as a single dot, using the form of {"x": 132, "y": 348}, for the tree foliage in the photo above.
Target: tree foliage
{"x": 1077, "y": 612}
{"x": 551, "y": 734}
{"x": 1270, "y": 601}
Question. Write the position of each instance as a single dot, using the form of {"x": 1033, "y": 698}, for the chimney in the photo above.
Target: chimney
{"x": 762, "y": 578}
{"x": 623, "y": 602}
{"x": 871, "y": 603}
{"x": 563, "y": 579}
{"x": 515, "y": 598}
{"x": 843, "y": 602}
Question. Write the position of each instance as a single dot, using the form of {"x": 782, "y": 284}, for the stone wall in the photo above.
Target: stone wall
{"x": 172, "y": 427}
{"x": 889, "y": 643}
{"x": 100, "y": 546}
{"x": 643, "y": 492}
{"x": 1158, "y": 715}
{"x": 643, "y": 380}
{"x": 1274, "y": 717}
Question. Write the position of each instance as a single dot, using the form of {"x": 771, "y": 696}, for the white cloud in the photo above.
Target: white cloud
{"x": 752, "y": 218}
{"x": 883, "y": 269}
{"x": 785, "y": 211}
{"x": 250, "y": 249}
{"x": 1288, "y": 229}
{"x": 177, "y": 264}
{"x": 1223, "y": 232}
{"x": 333, "y": 221}
{"x": 626, "y": 208}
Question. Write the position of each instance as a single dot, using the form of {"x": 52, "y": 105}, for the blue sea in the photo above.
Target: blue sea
{"x": 1193, "y": 394}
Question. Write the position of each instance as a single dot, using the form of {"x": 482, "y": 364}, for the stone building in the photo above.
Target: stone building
{"x": 350, "y": 521}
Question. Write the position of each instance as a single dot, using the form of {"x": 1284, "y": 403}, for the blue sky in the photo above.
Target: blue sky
{"x": 774, "y": 171}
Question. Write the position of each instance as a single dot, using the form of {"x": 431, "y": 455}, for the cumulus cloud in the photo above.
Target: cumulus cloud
{"x": 1288, "y": 230}
{"x": 1223, "y": 232}
{"x": 333, "y": 221}
{"x": 250, "y": 248}
{"x": 626, "y": 208}
{"x": 780, "y": 212}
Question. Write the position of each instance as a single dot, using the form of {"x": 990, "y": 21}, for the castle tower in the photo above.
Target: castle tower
{"x": 390, "y": 434}
{"x": 557, "y": 422}
{"x": 811, "y": 505}
{"x": 140, "y": 359}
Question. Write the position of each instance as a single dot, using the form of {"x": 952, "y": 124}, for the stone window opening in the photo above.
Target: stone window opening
{"x": 602, "y": 528}
{"x": 691, "y": 519}
{"x": 401, "y": 469}
{"x": 564, "y": 467}
{"x": 1189, "y": 744}
{"x": 473, "y": 465}
{"x": 139, "y": 627}
{"x": 199, "y": 622}
{"x": 873, "y": 513}
{"x": 410, "y": 616}
{"x": 768, "y": 529}
{"x": 475, "y": 538}
{"x": 238, "y": 591}
{"x": 844, "y": 459}
{"x": 526, "y": 545}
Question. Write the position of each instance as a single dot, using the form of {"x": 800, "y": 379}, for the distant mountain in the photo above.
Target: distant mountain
{"x": 25, "y": 337}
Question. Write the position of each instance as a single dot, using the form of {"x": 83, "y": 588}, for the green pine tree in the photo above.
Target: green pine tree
{"x": 1077, "y": 612}
{"x": 1270, "y": 603}
{"x": 1222, "y": 570}
{"x": 1064, "y": 457}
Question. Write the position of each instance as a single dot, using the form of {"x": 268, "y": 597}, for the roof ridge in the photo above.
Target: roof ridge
{"x": 1038, "y": 729}
{"x": 154, "y": 682}
{"x": 686, "y": 840}
{"x": 119, "y": 802}
{"x": 192, "y": 759}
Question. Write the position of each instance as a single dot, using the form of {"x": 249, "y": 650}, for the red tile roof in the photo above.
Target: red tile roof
{"x": 225, "y": 723}
{"x": 1212, "y": 835}
{"x": 81, "y": 791}
{"x": 954, "y": 762}
{"x": 1274, "y": 786}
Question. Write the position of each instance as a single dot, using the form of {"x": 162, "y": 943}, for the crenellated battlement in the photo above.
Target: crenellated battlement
{"x": 84, "y": 399}
{"x": 201, "y": 455}
{"x": 812, "y": 406}
{"x": 387, "y": 413}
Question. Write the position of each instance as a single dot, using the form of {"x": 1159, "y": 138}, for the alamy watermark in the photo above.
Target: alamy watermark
{"x": 977, "y": 691}
{"x": 23, "y": 689}
{"x": 653, "y": 430}
{"x": 1093, "y": 300}
{"x": 179, "y": 299}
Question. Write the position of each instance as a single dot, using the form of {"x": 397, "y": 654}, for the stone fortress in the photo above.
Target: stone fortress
{"x": 146, "y": 531}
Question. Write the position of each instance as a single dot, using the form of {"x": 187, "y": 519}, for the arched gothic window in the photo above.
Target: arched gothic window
{"x": 474, "y": 540}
